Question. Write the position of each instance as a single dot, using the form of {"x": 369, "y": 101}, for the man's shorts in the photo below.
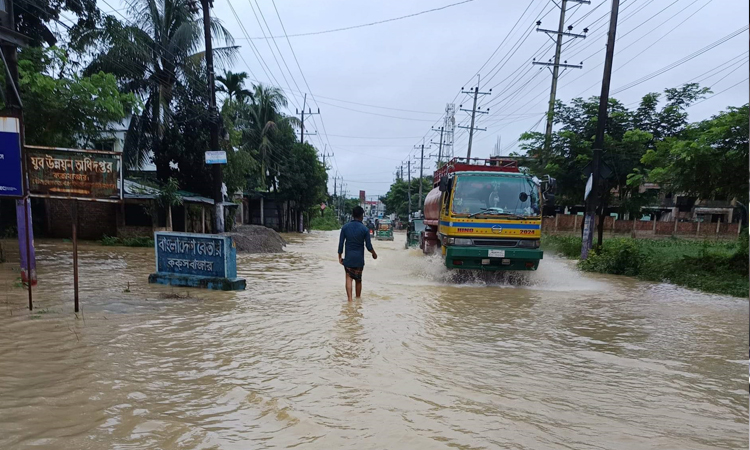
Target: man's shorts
{"x": 355, "y": 273}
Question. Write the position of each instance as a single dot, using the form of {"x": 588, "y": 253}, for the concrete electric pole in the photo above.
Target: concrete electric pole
{"x": 421, "y": 169}
{"x": 440, "y": 144}
{"x": 302, "y": 120}
{"x": 593, "y": 197}
{"x": 558, "y": 40}
{"x": 473, "y": 112}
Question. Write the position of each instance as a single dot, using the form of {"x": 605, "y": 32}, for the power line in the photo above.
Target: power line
{"x": 680, "y": 61}
{"x": 315, "y": 33}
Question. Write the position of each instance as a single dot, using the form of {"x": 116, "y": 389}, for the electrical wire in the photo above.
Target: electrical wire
{"x": 315, "y": 33}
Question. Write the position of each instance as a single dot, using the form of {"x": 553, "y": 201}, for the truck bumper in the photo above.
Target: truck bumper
{"x": 478, "y": 258}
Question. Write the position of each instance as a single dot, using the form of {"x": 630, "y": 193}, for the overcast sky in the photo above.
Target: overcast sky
{"x": 418, "y": 64}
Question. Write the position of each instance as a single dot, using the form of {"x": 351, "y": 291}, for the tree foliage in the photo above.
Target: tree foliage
{"x": 396, "y": 200}
{"x": 68, "y": 110}
{"x": 707, "y": 159}
{"x": 629, "y": 136}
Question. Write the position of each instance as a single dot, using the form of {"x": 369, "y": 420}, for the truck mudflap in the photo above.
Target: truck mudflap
{"x": 492, "y": 259}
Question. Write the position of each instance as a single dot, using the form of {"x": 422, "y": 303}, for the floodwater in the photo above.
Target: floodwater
{"x": 565, "y": 360}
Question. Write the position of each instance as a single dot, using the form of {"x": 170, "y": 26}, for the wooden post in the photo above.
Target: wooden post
{"x": 185, "y": 215}
{"x": 674, "y": 231}
{"x": 75, "y": 256}
{"x": 698, "y": 230}
{"x": 203, "y": 219}
{"x": 262, "y": 212}
{"x": 614, "y": 219}
{"x": 654, "y": 227}
{"x": 718, "y": 226}
{"x": 557, "y": 219}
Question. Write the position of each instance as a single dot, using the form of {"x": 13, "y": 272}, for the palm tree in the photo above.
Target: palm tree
{"x": 265, "y": 120}
{"x": 158, "y": 49}
{"x": 233, "y": 84}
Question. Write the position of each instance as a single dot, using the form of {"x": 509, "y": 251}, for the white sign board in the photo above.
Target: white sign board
{"x": 589, "y": 185}
{"x": 216, "y": 157}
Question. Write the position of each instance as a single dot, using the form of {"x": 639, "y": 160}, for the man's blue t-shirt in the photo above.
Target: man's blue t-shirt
{"x": 357, "y": 236}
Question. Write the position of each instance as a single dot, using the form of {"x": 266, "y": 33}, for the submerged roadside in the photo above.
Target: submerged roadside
{"x": 719, "y": 267}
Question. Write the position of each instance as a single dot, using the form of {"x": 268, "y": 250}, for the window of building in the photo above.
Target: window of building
{"x": 105, "y": 145}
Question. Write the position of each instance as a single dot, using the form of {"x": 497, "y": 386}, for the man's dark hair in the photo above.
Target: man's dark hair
{"x": 358, "y": 212}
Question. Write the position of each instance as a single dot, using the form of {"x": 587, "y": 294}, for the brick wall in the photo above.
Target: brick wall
{"x": 567, "y": 223}
{"x": 95, "y": 219}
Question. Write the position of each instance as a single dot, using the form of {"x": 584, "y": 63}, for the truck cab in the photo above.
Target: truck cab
{"x": 484, "y": 214}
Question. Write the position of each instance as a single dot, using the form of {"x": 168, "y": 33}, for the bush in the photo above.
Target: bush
{"x": 617, "y": 257}
{"x": 717, "y": 267}
{"x": 127, "y": 242}
{"x": 327, "y": 222}
{"x": 568, "y": 246}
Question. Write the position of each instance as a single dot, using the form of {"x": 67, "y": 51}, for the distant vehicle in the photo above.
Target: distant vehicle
{"x": 384, "y": 231}
{"x": 484, "y": 214}
{"x": 416, "y": 227}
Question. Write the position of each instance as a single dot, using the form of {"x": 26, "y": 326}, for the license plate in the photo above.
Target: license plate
{"x": 496, "y": 253}
{"x": 485, "y": 261}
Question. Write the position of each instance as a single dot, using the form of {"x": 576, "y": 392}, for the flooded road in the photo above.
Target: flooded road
{"x": 565, "y": 361}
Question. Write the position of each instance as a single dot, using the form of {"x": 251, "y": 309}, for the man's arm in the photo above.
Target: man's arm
{"x": 368, "y": 244}
{"x": 341, "y": 245}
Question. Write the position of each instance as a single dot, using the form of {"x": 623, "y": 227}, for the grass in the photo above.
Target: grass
{"x": 127, "y": 242}
{"x": 327, "y": 222}
{"x": 709, "y": 266}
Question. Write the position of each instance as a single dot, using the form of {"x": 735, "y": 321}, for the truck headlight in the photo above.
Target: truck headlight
{"x": 463, "y": 241}
{"x": 528, "y": 243}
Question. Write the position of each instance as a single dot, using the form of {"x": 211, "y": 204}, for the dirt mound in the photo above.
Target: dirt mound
{"x": 256, "y": 239}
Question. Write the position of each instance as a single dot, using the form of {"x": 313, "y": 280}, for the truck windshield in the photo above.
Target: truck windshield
{"x": 495, "y": 195}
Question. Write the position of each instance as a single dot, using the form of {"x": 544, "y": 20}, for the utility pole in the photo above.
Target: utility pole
{"x": 421, "y": 168}
{"x": 326, "y": 154}
{"x": 593, "y": 197}
{"x": 302, "y": 120}
{"x": 408, "y": 191}
{"x": 474, "y": 112}
{"x": 440, "y": 144}
{"x": 556, "y": 64}
{"x": 218, "y": 174}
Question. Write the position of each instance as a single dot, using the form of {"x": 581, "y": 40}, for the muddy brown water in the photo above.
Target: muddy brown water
{"x": 563, "y": 360}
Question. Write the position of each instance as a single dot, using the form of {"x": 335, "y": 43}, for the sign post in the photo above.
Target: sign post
{"x": 75, "y": 175}
{"x": 12, "y": 186}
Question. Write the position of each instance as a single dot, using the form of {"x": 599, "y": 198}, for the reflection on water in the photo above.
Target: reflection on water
{"x": 564, "y": 360}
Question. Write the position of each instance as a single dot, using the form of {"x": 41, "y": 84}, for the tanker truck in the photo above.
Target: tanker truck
{"x": 485, "y": 214}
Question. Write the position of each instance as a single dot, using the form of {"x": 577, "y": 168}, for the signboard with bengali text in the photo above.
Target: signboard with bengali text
{"x": 203, "y": 255}
{"x": 74, "y": 174}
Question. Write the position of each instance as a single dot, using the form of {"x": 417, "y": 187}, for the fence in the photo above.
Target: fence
{"x": 568, "y": 223}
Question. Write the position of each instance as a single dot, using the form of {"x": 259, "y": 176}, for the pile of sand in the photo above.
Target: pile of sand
{"x": 256, "y": 239}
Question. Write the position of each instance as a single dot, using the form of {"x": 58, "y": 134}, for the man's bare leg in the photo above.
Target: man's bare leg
{"x": 348, "y": 287}
{"x": 358, "y": 286}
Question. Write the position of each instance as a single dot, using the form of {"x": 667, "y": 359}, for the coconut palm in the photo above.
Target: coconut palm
{"x": 265, "y": 121}
{"x": 159, "y": 48}
{"x": 233, "y": 84}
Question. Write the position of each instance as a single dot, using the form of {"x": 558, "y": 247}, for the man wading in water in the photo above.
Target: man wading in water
{"x": 357, "y": 236}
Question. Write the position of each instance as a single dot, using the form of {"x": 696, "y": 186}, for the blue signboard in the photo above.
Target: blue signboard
{"x": 200, "y": 260}
{"x": 11, "y": 174}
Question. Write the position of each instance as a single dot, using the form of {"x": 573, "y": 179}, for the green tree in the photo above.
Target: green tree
{"x": 33, "y": 16}
{"x": 396, "y": 200}
{"x": 302, "y": 177}
{"x": 69, "y": 110}
{"x": 267, "y": 132}
{"x": 707, "y": 159}
{"x": 233, "y": 84}
{"x": 150, "y": 57}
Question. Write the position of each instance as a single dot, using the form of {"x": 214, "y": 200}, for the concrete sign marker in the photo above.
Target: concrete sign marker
{"x": 207, "y": 261}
